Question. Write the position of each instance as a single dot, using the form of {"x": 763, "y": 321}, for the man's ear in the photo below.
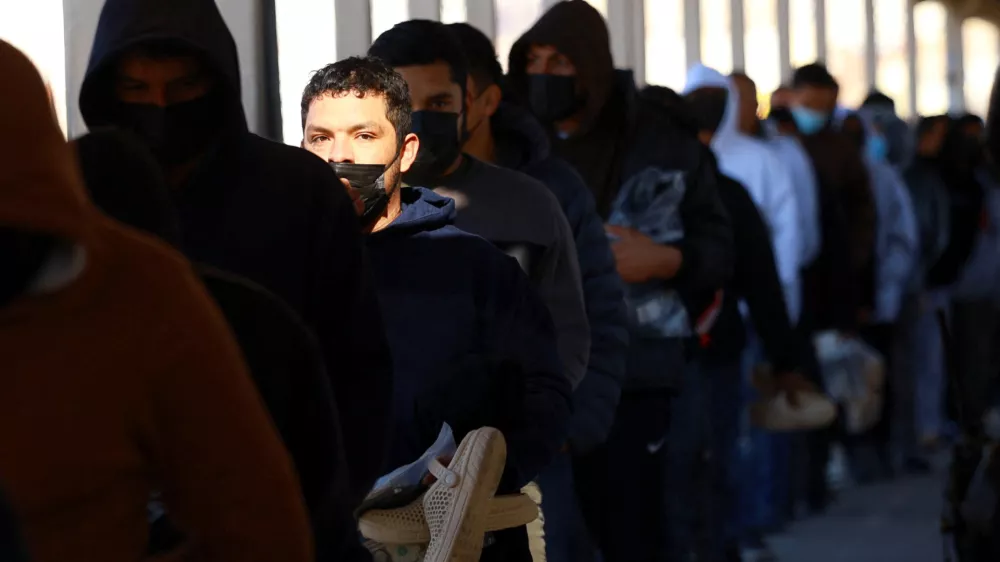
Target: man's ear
{"x": 492, "y": 98}
{"x": 411, "y": 145}
{"x": 469, "y": 96}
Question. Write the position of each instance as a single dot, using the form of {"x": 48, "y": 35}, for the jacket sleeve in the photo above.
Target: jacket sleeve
{"x": 596, "y": 398}
{"x": 343, "y": 311}
{"x": 562, "y": 291}
{"x": 227, "y": 480}
{"x": 786, "y": 235}
{"x": 519, "y": 330}
{"x": 707, "y": 247}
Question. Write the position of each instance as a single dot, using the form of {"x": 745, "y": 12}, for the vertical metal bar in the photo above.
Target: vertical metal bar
{"x": 482, "y": 15}
{"x": 692, "y": 32}
{"x": 820, "y": 13}
{"x": 784, "y": 41}
{"x": 737, "y": 24}
{"x": 871, "y": 44}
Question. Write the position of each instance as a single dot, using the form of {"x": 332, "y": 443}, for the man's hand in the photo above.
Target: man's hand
{"x": 639, "y": 259}
{"x": 791, "y": 384}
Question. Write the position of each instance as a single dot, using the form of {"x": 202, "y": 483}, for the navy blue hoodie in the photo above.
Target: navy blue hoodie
{"x": 523, "y": 144}
{"x": 473, "y": 344}
{"x": 271, "y": 213}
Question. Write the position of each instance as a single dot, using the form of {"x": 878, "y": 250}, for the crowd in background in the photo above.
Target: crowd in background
{"x": 677, "y": 324}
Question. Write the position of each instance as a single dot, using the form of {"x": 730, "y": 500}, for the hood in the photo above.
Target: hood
{"x": 701, "y": 76}
{"x": 194, "y": 24}
{"x": 578, "y": 31}
{"x": 423, "y": 210}
{"x": 40, "y": 186}
{"x": 520, "y": 139}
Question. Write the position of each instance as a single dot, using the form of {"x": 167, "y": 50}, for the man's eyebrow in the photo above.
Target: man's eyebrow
{"x": 313, "y": 128}
{"x": 366, "y": 125}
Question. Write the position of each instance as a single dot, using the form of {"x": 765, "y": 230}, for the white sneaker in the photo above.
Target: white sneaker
{"x": 456, "y": 505}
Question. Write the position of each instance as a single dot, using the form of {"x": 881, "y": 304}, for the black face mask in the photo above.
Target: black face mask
{"x": 368, "y": 180}
{"x": 439, "y": 144}
{"x": 553, "y": 98}
{"x": 176, "y": 133}
{"x": 22, "y": 254}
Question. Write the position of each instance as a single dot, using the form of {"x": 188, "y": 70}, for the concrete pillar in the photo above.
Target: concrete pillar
{"x": 80, "y": 22}
{"x": 354, "y": 26}
{"x": 871, "y": 46}
{"x": 482, "y": 15}
{"x": 956, "y": 63}
{"x": 692, "y": 32}
{"x": 628, "y": 37}
{"x": 911, "y": 58}
{"x": 244, "y": 19}
{"x": 784, "y": 41}
{"x": 820, "y": 12}
{"x": 737, "y": 23}
{"x": 425, "y": 10}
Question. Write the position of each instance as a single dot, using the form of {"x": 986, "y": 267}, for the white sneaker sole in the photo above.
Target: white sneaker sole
{"x": 407, "y": 525}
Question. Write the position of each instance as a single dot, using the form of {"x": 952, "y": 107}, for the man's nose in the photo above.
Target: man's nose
{"x": 341, "y": 152}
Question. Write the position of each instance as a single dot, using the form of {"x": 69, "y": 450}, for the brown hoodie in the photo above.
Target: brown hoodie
{"x": 123, "y": 380}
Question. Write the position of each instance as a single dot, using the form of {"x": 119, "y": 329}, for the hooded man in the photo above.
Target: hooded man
{"x": 509, "y": 135}
{"x": 168, "y": 72}
{"x": 715, "y": 101}
{"x": 120, "y": 376}
{"x": 898, "y": 138}
{"x": 124, "y": 181}
{"x": 474, "y": 345}
{"x": 595, "y": 120}
{"x": 513, "y": 211}
{"x": 790, "y": 152}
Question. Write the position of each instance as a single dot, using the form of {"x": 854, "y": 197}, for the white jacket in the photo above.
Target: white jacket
{"x": 768, "y": 180}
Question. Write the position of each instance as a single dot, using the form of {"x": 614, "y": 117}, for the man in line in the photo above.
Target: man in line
{"x": 120, "y": 376}
{"x": 595, "y": 120}
{"x": 268, "y": 212}
{"x": 507, "y": 134}
{"x": 839, "y": 287}
{"x": 790, "y": 152}
{"x": 716, "y": 102}
{"x": 511, "y": 210}
{"x": 124, "y": 181}
{"x": 474, "y": 344}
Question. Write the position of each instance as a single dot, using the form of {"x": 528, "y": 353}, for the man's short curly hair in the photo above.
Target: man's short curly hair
{"x": 363, "y": 76}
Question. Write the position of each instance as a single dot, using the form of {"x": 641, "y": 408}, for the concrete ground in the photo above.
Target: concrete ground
{"x": 890, "y": 522}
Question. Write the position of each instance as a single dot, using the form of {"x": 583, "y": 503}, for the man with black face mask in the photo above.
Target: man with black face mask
{"x": 168, "y": 71}
{"x": 473, "y": 344}
{"x": 513, "y": 211}
{"x": 563, "y": 68}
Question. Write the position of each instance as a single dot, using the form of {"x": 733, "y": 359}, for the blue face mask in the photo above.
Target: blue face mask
{"x": 877, "y": 148}
{"x": 809, "y": 121}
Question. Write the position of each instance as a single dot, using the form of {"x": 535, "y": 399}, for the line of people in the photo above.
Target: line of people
{"x": 213, "y": 345}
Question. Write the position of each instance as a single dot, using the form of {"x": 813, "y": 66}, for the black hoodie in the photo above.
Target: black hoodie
{"x": 268, "y": 212}
{"x": 523, "y": 144}
{"x": 281, "y": 353}
{"x": 622, "y": 135}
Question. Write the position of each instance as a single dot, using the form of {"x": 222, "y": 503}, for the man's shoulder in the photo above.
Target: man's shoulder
{"x": 528, "y": 189}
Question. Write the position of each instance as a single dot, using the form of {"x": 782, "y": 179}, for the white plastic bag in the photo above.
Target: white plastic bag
{"x": 413, "y": 473}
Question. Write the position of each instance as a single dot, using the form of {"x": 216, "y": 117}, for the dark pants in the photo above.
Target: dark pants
{"x": 566, "y": 535}
{"x": 622, "y": 485}
{"x": 509, "y": 545}
{"x": 724, "y": 383}
{"x": 689, "y": 494}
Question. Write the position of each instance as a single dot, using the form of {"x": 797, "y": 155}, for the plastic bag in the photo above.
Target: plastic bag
{"x": 413, "y": 473}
